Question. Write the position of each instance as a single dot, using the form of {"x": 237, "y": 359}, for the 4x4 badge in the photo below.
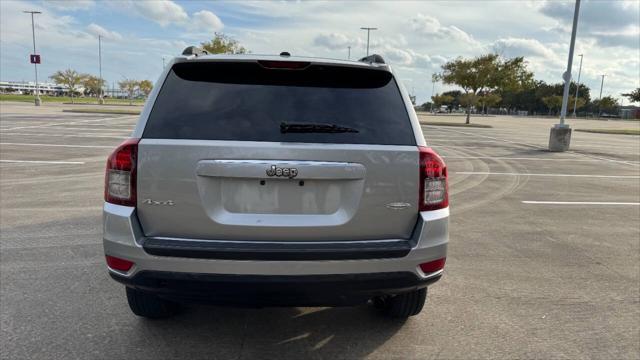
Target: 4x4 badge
{"x": 155, "y": 202}
{"x": 282, "y": 172}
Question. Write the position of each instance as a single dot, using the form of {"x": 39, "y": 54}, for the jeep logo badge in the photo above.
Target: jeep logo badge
{"x": 282, "y": 172}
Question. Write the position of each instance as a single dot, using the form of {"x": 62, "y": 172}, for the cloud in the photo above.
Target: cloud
{"x": 610, "y": 23}
{"x": 70, "y": 5}
{"x": 335, "y": 41}
{"x": 206, "y": 20}
{"x": 512, "y": 47}
{"x": 430, "y": 26}
{"x": 95, "y": 30}
{"x": 163, "y": 12}
{"x": 169, "y": 13}
{"x": 397, "y": 56}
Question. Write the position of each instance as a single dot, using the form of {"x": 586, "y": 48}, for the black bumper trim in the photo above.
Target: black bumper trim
{"x": 274, "y": 290}
{"x": 277, "y": 251}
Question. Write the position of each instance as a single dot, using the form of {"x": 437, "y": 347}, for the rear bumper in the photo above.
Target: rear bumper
{"x": 281, "y": 290}
{"x": 123, "y": 238}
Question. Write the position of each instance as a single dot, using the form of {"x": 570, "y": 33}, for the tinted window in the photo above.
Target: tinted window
{"x": 245, "y": 101}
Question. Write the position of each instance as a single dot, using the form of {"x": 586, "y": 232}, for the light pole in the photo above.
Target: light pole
{"x": 163, "y": 65}
{"x": 560, "y": 136}
{"x": 100, "y": 99}
{"x": 349, "y": 54}
{"x": 575, "y": 104}
{"x": 368, "y": 31}
{"x": 434, "y": 78}
{"x": 35, "y": 65}
{"x": 600, "y": 97}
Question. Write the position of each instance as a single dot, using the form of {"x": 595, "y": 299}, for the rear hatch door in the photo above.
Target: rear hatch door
{"x": 243, "y": 151}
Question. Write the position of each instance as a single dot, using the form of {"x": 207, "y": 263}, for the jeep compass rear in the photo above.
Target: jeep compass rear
{"x": 276, "y": 181}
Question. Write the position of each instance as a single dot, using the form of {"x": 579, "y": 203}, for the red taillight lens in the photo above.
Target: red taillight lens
{"x": 118, "y": 264}
{"x": 434, "y": 192}
{"x": 120, "y": 175}
{"x": 285, "y": 65}
{"x": 433, "y": 266}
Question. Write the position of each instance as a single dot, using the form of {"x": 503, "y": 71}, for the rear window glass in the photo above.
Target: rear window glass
{"x": 245, "y": 101}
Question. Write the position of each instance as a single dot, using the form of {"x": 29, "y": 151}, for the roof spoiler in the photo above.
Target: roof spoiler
{"x": 194, "y": 50}
{"x": 373, "y": 59}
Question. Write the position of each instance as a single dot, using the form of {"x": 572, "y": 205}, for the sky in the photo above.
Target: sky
{"x": 415, "y": 37}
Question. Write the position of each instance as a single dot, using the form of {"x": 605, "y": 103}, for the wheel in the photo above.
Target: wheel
{"x": 407, "y": 304}
{"x": 149, "y": 306}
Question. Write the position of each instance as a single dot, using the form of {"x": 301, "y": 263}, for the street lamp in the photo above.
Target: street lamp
{"x": 349, "y": 54}
{"x": 434, "y": 78}
{"x": 560, "y": 135}
{"x": 575, "y": 104}
{"x": 368, "y": 31}
{"x": 35, "y": 65}
{"x": 101, "y": 98}
{"x": 600, "y": 98}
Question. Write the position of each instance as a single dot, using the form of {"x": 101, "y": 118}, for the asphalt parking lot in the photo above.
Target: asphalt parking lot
{"x": 544, "y": 255}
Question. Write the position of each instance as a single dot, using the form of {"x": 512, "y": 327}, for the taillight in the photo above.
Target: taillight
{"x": 433, "y": 266}
{"x": 118, "y": 263}
{"x": 120, "y": 176}
{"x": 434, "y": 193}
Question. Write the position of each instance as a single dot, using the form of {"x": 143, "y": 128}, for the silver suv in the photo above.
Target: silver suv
{"x": 276, "y": 181}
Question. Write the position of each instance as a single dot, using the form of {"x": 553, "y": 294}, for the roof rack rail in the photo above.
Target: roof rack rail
{"x": 194, "y": 50}
{"x": 373, "y": 59}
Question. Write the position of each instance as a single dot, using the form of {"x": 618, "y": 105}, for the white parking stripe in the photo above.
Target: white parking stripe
{"x": 63, "y": 123}
{"x": 538, "y": 147}
{"x": 550, "y": 175}
{"x": 520, "y": 158}
{"x": 61, "y": 145}
{"x": 71, "y": 135}
{"x": 42, "y": 162}
{"x": 580, "y": 203}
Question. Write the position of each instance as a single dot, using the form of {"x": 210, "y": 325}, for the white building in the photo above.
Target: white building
{"x": 22, "y": 87}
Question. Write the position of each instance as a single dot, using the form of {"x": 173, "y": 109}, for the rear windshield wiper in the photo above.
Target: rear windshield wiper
{"x": 314, "y": 128}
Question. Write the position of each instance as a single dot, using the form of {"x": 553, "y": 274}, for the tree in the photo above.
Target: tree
{"x": 605, "y": 105}
{"x": 484, "y": 74}
{"x": 455, "y": 103}
{"x": 69, "y": 78}
{"x": 223, "y": 44}
{"x": 572, "y": 101}
{"x": 92, "y": 85}
{"x": 145, "y": 86}
{"x": 488, "y": 100}
{"x": 439, "y": 100}
{"x": 553, "y": 102}
{"x": 129, "y": 86}
{"x": 633, "y": 96}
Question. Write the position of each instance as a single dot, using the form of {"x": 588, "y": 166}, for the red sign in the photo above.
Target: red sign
{"x": 35, "y": 59}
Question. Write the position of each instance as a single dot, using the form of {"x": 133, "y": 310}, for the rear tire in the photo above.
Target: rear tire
{"x": 408, "y": 304}
{"x": 149, "y": 306}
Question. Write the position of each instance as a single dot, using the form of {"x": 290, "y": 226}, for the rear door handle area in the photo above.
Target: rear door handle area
{"x": 281, "y": 169}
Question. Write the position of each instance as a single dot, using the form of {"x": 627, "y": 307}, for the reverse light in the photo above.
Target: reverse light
{"x": 119, "y": 264}
{"x": 434, "y": 192}
{"x": 433, "y": 266}
{"x": 120, "y": 174}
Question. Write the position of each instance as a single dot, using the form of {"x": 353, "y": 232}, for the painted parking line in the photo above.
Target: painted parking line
{"x": 581, "y": 203}
{"x": 541, "y": 147}
{"x": 106, "y": 136}
{"x": 520, "y": 158}
{"x": 60, "y": 145}
{"x": 549, "y": 175}
{"x": 43, "y": 162}
{"x": 63, "y": 123}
